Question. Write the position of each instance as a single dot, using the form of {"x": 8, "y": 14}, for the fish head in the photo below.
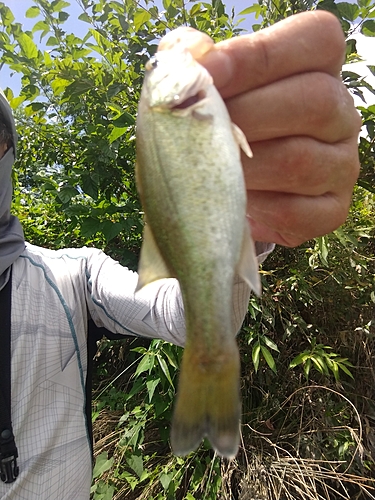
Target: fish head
{"x": 174, "y": 80}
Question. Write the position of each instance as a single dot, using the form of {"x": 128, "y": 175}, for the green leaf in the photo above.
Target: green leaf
{"x": 256, "y": 355}
{"x": 195, "y": 9}
{"x": 151, "y": 386}
{"x": 366, "y": 185}
{"x": 59, "y": 85}
{"x": 7, "y": 15}
{"x": 368, "y": 28}
{"x": 144, "y": 365}
{"x": 102, "y": 464}
{"x": 270, "y": 343}
{"x": 66, "y": 193}
{"x": 89, "y": 186}
{"x": 306, "y": 368}
{"x": 364, "y": 3}
{"x": 110, "y": 229}
{"x": 32, "y": 12}
{"x": 37, "y": 106}
{"x": 165, "y": 369}
{"x": 89, "y": 226}
{"x": 28, "y": 47}
{"x": 85, "y": 18}
{"x": 16, "y": 101}
{"x": 58, "y": 5}
{"x": 123, "y": 120}
{"x": 219, "y": 7}
{"x": 52, "y": 41}
{"x": 335, "y": 370}
{"x": 349, "y": 11}
{"x": 319, "y": 365}
{"x": 165, "y": 480}
{"x": 63, "y": 16}
{"x": 299, "y": 359}
{"x": 78, "y": 87}
{"x": 345, "y": 369}
{"x": 256, "y": 8}
{"x": 40, "y": 26}
{"x": 269, "y": 358}
{"x": 140, "y": 17}
{"x": 116, "y": 132}
{"x": 135, "y": 462}
{"x": 170, "y": 356}
{"x": 132, "y": 480}
{"x": 323, "y": 249}
{"x": 100, "y": 39}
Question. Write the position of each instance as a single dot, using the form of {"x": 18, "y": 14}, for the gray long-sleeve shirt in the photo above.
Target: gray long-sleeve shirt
{"x": 53, "y": 293}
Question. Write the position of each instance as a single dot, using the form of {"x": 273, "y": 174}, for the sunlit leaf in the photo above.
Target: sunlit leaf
{"x": 255, "y": 354}
{"x": 116, "y": 133}
{"x": 165, "y": 369}
{"x": 269, "y": 358}
{"x": 141, "y": 17}
{"x": 32, "y": 12}
{"x": 27, "y": 45}
{"x": 144, "y": 365}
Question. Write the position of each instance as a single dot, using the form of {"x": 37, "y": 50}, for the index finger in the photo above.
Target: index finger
{"x": 310, "y": 41}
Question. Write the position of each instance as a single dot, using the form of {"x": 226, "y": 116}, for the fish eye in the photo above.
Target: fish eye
{"x": 151, "y": 64}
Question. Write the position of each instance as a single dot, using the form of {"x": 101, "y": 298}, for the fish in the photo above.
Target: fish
{"x": 191, "y": 185}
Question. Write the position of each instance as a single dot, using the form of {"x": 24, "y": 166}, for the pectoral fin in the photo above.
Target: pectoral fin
{"x": 151, "y": 264}
{"x": 248, "y": 267}
{"x": 241, "y": 140}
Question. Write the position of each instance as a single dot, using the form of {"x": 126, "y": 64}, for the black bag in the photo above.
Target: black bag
{"x": 94, "y": 334}
{"x": 8, "y": 449}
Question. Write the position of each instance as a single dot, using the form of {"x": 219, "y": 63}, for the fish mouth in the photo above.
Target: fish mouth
{"x": 190, "y": 101}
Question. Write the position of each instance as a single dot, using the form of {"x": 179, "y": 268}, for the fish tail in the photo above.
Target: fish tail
{"x": 208, "y": 403}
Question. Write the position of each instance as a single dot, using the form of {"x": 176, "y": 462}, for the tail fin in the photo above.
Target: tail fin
{"x": 208, "y": 403}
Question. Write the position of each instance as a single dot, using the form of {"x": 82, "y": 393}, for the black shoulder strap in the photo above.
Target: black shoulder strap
{"x": 8, "y": 449}
{"x": 94, "y": 334}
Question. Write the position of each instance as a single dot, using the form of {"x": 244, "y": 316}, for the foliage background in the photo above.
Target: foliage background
{"x": 307, "y": 345}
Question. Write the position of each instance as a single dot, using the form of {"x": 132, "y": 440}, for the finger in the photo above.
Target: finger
{"x": 289, "y": 220}
{"x": 302, "y": 165}
{"x": 310, "y": 41}
{"x": 312, "y": 104}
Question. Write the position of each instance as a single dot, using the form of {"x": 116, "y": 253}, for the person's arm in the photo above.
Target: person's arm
{"x": 155, "y": 311}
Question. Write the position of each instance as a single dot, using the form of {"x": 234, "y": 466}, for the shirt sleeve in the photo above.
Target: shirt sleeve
{"x": 155, "y": 311}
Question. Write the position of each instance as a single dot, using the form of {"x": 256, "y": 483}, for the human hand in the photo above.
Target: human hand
{"x": 283, "y": 88}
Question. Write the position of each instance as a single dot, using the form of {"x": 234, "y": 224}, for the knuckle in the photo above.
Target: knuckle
{"x": 325, "y": 106}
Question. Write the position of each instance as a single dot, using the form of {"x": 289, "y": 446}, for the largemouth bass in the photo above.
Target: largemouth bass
{"x": 191, "y": 184}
